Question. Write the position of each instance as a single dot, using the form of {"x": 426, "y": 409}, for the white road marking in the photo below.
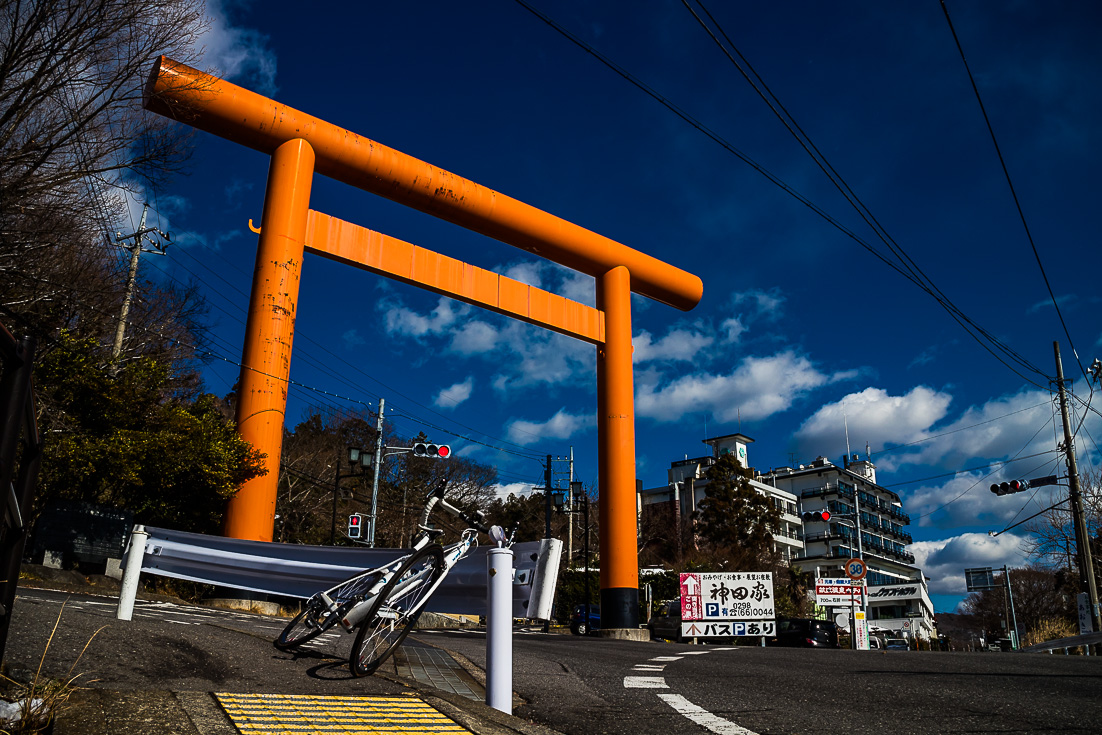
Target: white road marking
{"x": 665, "y": 658}
{"x": 703, "y": 717}
{"x": 644, "y": 682}
{"x": 696, "y": 653}
{"x": 647, "y": 667}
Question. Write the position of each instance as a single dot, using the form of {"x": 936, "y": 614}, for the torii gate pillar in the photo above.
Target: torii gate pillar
{"x": 616, "y": 450}
{"x": 269, "y": 334}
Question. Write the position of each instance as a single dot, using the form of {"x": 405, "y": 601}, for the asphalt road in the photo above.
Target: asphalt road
{"x": 590, "y": 685}
{"x": 581, "y": 685}
{"x": 173, "y": 648}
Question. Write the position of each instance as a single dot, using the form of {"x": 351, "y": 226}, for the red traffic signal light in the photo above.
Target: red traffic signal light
{"x": 355, "y": 525}
{"x": 817, "y": 516}
{"x": 824, "y": 515}
{"x": 437, "y": 451}
{"x": 1012, "y": 486}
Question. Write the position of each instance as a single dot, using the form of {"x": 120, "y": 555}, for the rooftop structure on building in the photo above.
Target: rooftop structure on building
{"x": 687, "y": 487}
{"x": 866, "y": 521}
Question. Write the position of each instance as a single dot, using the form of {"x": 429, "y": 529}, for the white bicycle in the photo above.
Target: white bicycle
{"x": 381, "y": 605}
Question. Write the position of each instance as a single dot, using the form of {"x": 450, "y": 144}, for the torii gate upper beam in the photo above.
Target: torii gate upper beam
{"x": 236, "y": 114}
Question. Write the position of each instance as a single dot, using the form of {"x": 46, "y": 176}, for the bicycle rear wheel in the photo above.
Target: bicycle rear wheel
{"x": 395, "y": 610}
{"x": 316, "y": 617}
{"x": 305, "y": 626}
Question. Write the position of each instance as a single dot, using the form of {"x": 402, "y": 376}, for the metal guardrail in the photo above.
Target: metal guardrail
{"x": 1074, "y": 641}
{"x": 294, "y": 570}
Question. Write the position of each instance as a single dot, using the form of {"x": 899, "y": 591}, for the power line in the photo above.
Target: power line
{"x": 323, "y": 367}
{"x": 963, "y": 428}
{"x": 914, "y": 272}
{"x": 980, "y": 467}
{"x": 969, "y": 489}
{"x": 958, "y": 316}
{"x": 1010, "y": 183}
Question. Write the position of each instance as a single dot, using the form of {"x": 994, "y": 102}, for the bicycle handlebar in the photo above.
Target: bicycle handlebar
{"x": 436, "y": 496}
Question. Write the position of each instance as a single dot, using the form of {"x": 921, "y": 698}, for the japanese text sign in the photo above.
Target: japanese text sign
{"x": 727, "y": 596}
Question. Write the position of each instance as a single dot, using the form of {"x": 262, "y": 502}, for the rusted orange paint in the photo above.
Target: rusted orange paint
{"x": 214, "y": 105}
{"x": 616, "y": 434}
{"x": 388, "y": 256}
{"x": 300, "y": 144}
{"x": 269, "y": 335}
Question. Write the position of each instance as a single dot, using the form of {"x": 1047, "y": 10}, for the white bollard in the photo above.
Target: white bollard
{"x": 499, "y": 630}
{"x": 134, "y": 559}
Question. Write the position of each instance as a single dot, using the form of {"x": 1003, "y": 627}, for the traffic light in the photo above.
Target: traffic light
{"x": 436, "y": 451}
{"x": 355, "y": 525}
{"x": 1007, "y": 488}
{"x": 817, "y": 516}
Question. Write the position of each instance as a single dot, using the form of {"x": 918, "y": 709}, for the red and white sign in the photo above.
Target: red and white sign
{"x": 727, "y": 596}
{"x": 838, "y": 592}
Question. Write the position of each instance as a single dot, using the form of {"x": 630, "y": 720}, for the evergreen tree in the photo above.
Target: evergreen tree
{"x": 129, "y": 441}
{"x": 735, "y": 521}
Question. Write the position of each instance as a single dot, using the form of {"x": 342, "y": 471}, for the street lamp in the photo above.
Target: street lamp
{"x": 565, "y": 504}
{"x": 359, "y": 462}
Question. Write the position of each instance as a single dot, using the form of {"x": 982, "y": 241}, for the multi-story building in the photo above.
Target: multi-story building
{"x": 868, "y": 521}
{"x": 688, "y": 486}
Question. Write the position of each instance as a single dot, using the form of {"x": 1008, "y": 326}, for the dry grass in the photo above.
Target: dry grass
{"x": 43, "y": 698}
{"x": 1050, "y": 629}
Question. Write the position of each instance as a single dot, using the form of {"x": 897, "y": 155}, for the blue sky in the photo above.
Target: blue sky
{"x": 798, "y": 317}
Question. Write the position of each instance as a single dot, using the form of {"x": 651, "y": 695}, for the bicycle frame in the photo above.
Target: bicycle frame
{"x": 452, "y": 554}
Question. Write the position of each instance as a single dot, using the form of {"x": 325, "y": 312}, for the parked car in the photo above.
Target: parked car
{"x": 805, "y": 633}
{"x": 666, "y": 621}
{"x": 897, "y": 644}
{"x": 579, "y": 625}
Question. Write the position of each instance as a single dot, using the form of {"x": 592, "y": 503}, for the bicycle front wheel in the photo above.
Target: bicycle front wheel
{"x": 395, "y": 610}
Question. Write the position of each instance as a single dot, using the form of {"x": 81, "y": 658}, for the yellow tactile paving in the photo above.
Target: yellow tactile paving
{"x": 278, "y": 714}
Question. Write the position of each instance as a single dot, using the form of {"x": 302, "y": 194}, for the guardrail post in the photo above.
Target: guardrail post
{"x": 134, "y": 558}
{"x": 499, "y": 630}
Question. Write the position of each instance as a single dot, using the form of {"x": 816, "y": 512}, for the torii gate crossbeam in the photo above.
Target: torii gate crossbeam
{"x": 301, "y": 145}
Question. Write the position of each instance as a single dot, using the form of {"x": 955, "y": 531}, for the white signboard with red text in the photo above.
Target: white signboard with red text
{"x": 727, "y": 596}
{"x": 838, "y": 592}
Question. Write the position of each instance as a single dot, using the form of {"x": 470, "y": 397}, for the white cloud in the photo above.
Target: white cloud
{"x": 352, "y": 339}
{"x": 874, "y": 416}
{"x": 520, "y": 489}
{"x": 678, "y": 345}
{"x": 758, "y": 388}
{"x": 732, "y": 329}
{"x": 526, "y": 273}
{"x": 404, "y": 321}
{"x": 761, "y": 304}
{"x": 560, "y": 426}
{"x": 475, "y": 338}
{"x": 456, "y": 394}
{"x": 945, "y": 560}
{"x": 1002, "y": 427}
{"x": 239, "y": 54}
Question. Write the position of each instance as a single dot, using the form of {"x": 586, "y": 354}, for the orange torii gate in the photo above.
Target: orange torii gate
{"x": 301, "y": 145}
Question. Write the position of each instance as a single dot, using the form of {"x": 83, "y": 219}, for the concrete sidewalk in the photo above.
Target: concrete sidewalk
{"x": 170, "y": 676}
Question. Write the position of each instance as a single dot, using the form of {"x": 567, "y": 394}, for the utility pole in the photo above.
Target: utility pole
{"x": 1082, "y": 538}
{"x": 378, "y": 463}
{"x": 135, "y": 253}
{"x": 570, "y": 517}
